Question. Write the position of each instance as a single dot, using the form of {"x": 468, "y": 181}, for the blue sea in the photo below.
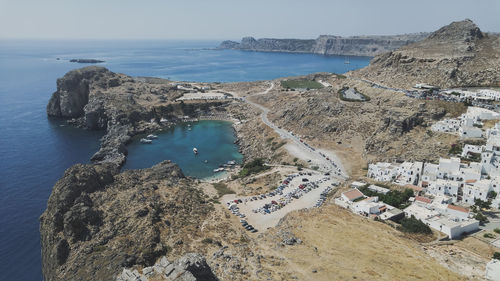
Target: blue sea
{"x": 35, "y": 150}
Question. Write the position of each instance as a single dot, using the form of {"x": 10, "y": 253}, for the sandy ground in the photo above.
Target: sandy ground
{"x": 264, "y": 221}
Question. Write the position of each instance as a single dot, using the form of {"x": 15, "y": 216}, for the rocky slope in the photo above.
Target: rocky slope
{"x": 327, "y": 44}
{"x": 388, "y": 127}
{"x": 456, "y": 55}
{"x": 98, "y": 221}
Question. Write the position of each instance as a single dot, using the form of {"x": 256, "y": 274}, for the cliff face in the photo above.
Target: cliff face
{"x": 362, "y": 45}
{"x": 456, "y": 55}
{"x": 327, "y": 44}
{"x": 98, "y": 221}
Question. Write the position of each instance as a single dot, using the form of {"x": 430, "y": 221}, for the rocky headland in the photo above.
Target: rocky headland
{"x": 327, "y": 44}
{"x": 456, "y": 55}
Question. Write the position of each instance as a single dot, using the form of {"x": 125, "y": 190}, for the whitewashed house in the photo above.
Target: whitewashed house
{"x": 409, "y": 173}
{"x": 449, "y": 169}
{"x": 444, "y": 187}
{"x": 469, "y": 148}
{"x": 430, "y": 172}
{"x": 476, "y": 190}
{"x": 383, "y": 171}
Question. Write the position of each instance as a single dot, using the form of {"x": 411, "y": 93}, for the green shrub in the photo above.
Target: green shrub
{"x": 222, "y": 189}
{"x": 301, "y": 84}
{"x": 488, "y": 235}
{"x": 207, "y": 241}
{"x": 455, "y": 149}
{"x": 497, "y": 230}
{"x": 396, "y": 198}
{"x": 414, "y": 225}
{"x": 496, "y": 255}
{"x": 253, "y": 167}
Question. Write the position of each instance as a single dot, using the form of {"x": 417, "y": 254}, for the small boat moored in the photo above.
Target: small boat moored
{"x": 195, "y": 151}
{"x": 151, "y": 136}
{"x": 146, "y": 141}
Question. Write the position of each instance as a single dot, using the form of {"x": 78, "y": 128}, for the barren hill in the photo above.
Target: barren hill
{"x": 458, "y": 54}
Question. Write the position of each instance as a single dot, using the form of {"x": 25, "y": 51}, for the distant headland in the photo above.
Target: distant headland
{"x": 328, "y": 44}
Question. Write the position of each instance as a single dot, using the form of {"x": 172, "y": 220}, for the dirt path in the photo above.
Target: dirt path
{"x": 325, "y": 162}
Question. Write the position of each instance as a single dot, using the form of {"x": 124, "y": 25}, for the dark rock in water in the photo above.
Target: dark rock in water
{"x": 86, "y": 61}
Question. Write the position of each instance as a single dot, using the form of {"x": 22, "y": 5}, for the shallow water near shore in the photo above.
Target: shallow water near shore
{"x": 213, "y": 139}
{"x": 35, "y": 150}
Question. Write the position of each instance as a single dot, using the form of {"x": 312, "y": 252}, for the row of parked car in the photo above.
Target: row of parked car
{"x": 248, "y": 227}
{"x": 322, "y": 197}
{"x": 302, "y": 189}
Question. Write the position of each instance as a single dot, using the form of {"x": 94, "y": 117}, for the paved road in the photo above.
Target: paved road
{"x": 300, "y": 149}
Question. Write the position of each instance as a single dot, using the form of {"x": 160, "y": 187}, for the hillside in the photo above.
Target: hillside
{"x": 456, "y": 55}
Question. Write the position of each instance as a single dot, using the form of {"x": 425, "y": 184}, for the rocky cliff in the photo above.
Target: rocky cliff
{"x": 327, "y": 44}
{"x": 456, "y": 55}
{"x": 98, "y": 221}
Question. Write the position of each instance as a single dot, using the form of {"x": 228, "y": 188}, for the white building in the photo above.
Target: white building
{"x": 369, "y": 206}
{"x": 402, "y": 174}
{"x": 352, "y": 195}
{"x": 379, "y": 189}
{"x": 493, "y": 270}
{"x": 444, "y": 187}
{"x": 470, "y": 132}
{"x": 469, "y": 148}
{"x": 476, "y": 190}
{"x": 441, "y": 221}
{"x": 382, "y": 171}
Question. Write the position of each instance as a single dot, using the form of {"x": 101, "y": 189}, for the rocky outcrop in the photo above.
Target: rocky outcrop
{"x": 190, "y": 267}
{"x": 98, "y": 221}
{"x": 98, "y": 99}
{"x": 456, "y": 55}
{"x": 327, "y": 44}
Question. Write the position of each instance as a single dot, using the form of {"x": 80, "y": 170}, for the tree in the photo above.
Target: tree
{"x": 496, "y": 255}
{"x": 414, "y": 225}
{"x": 492, "y": 194}
{"x": 482, "y": 204}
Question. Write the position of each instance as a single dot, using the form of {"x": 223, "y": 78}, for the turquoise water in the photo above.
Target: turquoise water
{"x": 213, "y": 139}
{"x": 35, "y": 150}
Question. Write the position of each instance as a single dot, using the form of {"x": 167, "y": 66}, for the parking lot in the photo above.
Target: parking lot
{"x": 295, "y": 192}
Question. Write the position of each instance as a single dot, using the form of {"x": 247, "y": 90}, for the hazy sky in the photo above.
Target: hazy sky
{"x": 232, "y": 19}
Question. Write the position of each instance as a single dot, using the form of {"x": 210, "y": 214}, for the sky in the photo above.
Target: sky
{"x": 233, "y": 19}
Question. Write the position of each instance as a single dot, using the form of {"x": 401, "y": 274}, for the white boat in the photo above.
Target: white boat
{"x": 152, "y": 137}
{"x": 146, "y": 141}
{"x": 195, "y": 151}
{"x": 218, "y": 170}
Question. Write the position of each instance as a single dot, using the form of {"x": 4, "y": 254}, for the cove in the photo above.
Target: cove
{"x": 213, "y": 139}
